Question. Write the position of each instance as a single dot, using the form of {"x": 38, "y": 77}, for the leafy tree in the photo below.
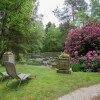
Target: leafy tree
{"x": 64, "y": 28}
{"x": 47, "y": 26}
{"x": 69, "y": 10}
{"x": 16, "y": 25}
{"x": 51, "y": 42}
{"x": 95, "y": 9}
{"x": 38, "y": 36}
{"x": 91, "y": 12}
{"x": 81, "y": 17}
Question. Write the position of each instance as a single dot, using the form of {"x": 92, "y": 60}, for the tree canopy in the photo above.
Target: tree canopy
{"x": 17, "y": 25}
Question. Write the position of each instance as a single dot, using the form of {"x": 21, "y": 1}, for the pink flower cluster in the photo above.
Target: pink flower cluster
{"x": 74, "y": 60}
{"x": 84, "y": 41}
{"x": 91, "y": 54}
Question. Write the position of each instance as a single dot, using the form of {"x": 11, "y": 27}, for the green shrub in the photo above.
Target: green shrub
{"x": 93, "y": 66}
{"x": 75, "y": 67}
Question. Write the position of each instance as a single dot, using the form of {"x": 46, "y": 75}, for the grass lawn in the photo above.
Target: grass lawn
{"x": 48, "y": 84}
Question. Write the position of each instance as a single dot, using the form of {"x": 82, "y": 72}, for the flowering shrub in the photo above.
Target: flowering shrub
{"x": 84, "y": 42}
{"x": 92, "y": 64}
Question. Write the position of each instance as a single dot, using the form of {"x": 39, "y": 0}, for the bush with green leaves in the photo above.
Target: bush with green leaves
{"x": 93, "y": 65}
{"x": 75, "y": 66}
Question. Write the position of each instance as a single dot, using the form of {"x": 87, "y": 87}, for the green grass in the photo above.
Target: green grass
{"x": 48, "y": 85}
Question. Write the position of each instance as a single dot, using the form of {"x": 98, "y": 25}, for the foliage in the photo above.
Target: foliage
{"x": 89, "y": 12}
{"x": 51, "y": 41}
{"x": 64, "y": 28}
{"x": 49, "y": 24}
{"x": 78, "y": 12}
{"x": 81, "y": 17}
{"x": 80, "y": 42}
{"x": 19, "y": 27}
{"x": 75, "y": 66}
{"x": 37, "y": 37}
{"x": 95, "y": 10}
{"x": 92, "y": 64}
{"x": 69, "y": 10}
{"x": 16, "y": 25}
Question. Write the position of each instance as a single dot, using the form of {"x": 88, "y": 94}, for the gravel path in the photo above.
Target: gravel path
{"x": 86, "y": 93}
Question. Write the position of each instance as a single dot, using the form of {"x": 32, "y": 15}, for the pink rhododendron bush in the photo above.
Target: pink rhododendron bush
{"x": 83, "y": 45}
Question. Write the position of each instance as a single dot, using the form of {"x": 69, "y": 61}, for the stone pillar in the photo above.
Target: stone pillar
{"x": 9, "y": 56}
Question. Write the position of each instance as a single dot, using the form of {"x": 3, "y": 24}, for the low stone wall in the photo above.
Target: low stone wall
{"x": 44, "y": 54}
{"x": 45, "y": 58}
